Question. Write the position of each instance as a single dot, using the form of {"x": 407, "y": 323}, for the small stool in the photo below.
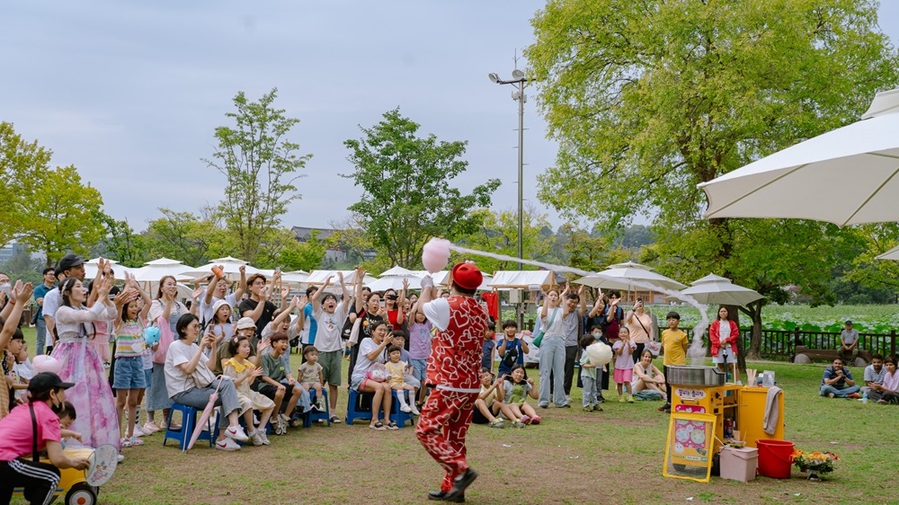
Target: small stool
{"x": 188, "y": 422}
{"x": 397, "y": 415}
{"x": 314, "y": 415}
{"x": 358, "y": 406}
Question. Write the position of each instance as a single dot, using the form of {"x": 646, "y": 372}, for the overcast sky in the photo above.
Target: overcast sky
{"x": 131, "y": 92}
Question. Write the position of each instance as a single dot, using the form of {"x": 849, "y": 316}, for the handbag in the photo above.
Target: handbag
{"x": 539, "y": 338}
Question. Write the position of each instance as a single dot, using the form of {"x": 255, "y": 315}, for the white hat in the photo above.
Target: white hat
{"x": 245, "y": 323}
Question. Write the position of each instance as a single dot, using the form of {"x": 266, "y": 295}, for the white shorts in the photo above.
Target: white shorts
{"x": 725, "y": 354}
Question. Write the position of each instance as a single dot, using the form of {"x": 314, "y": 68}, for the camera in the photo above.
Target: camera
{"x": 639, "y": 299}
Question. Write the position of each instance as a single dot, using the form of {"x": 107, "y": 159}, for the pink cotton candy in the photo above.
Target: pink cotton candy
{"x": 44, "y": 363}
{"x": 435, "y": 255}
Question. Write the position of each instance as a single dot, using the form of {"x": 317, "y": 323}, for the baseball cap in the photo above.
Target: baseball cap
{"x": 46, "y": 381}
{"x": 69, "y": 261}
{"x": 246, "y": 322}
{"x": 467, "y": 276}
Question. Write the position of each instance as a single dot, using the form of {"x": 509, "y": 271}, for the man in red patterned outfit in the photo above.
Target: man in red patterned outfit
{"x": 453, "y": 369}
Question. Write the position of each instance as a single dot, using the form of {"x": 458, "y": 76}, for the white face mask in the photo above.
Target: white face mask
{"x": 596, "y": 334}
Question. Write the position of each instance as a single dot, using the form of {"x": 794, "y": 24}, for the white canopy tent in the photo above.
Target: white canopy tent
{"x": 90, "y": 269}
{"x": 521, "y": 279}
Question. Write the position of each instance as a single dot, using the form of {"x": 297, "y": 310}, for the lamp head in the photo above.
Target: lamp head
{"x": 493, "y": 77}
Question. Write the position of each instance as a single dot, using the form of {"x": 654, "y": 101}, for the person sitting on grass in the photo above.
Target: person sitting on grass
{"x": 276, "y": 381}
{"x": 243, "y": 372}
{"x": 837, "y": 382}
{"x": 874, "y": 377}
{"x": 517, "y": 389}
{"x": 889, "y": 390}
{"x": 310, "y": 373}
{"x": 648, "y": 379}
{"x": 397, "y": 370}
{"x": 489, "y": 401}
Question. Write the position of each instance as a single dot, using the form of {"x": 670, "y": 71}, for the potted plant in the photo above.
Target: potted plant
{"x": 815, "y": 463}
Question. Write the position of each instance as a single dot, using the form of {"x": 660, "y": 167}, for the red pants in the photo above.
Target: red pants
{"x": 441, "y": 429}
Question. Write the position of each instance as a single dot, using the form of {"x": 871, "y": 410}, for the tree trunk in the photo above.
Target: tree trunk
{"x": 754, "y": 311}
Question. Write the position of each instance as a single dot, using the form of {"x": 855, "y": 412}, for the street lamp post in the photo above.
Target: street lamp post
{"x": 519, "y": 81}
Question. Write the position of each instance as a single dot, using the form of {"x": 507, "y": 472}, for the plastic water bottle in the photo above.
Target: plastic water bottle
{"x": 865, "y": 398}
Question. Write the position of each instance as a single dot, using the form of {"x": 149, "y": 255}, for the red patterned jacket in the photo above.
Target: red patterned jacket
{"x": 455, "y": 361}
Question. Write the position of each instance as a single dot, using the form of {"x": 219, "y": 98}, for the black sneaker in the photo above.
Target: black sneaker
{"x": 460, "y": 483}
{"x": 601, "y": 399}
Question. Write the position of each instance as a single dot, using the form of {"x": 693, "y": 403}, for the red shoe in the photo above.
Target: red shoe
{"x": 526, "y": 420}
{"x": 853, "y": 396}
{"x": 535, "y": 420}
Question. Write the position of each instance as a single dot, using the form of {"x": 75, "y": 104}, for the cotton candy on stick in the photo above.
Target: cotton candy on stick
{"x": 435, "y": 255}
{"x": 599, "y": 353}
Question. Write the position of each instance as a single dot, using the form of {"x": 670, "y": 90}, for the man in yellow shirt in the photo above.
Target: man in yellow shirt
{"x": 674, "y": 345}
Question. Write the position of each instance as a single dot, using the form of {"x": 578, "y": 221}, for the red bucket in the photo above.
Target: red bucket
{"x": 775, "y": 458}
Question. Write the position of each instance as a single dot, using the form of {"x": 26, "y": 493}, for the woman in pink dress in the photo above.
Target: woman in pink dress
{"x": 81, "y": 364}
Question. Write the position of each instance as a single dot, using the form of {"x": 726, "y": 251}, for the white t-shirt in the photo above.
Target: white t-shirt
{"x": 51, "y": 302}
{"x": 362, "y": 362}
{"x": 438, "y": 312}
{"x": 330, "y": 327}
{"x": 176, "y": 381}
{"x": 206, "y": 314}
{"x": 723, "y": 331}
{"x": 557, "y": 328}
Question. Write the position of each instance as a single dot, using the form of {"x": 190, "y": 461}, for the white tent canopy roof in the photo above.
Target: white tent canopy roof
{"x": 521, "y": 279}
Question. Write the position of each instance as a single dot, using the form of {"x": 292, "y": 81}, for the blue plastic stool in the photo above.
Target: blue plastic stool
{"x": 397, "y": 415}
{"x": 188, "y": 422}
{"x": 359, "y": 407}
{"x": 314, "y": 416}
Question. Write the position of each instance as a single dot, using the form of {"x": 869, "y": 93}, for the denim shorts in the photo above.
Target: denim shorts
{"x": 129, "y": 373}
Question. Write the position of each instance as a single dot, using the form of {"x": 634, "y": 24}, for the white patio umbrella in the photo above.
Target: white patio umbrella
{"x": 90, "y": 269}
{"x": 845, "y": 176}
{"x": 892, "y": 254}
{"x": 630, "y": 276}
{"x": 230, "y": 266}
{"x": 318, "y": 277}
{"x": 716, "y": 290}
{"x": 157, "y": 269}
{"x": 393, "y": 279}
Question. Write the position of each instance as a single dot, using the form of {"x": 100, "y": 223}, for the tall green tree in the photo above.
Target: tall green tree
{"x": 261, "y": 167}
{"x": 189, "y": 238}
{"x": 647, "y": 99}
{"x": 498, "y": 233}
{"x": 61, "y": 214}
{"x": 408, "y": 198}
{"x": 21, "y": 164}
{"x": 121, "y": 243}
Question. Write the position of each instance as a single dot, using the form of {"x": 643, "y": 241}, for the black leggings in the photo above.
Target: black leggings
{"x": 38, "y": 479}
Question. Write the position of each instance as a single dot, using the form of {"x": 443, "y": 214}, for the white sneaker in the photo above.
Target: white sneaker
{"x": 139, "y": 432}
{"x": 284, "y": 417}
{"x": 264, "y": 437}
{"x": 415, "y": 411}
{"x": 227, "y": 444}
{"x": 256, "y": 437}
{"x": 120, "y": 457}
{"x": 236, "y": 433}
{"x": 406, "y": 409}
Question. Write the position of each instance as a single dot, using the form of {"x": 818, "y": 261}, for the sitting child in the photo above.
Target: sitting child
{"x": 397, "y": 371}
{"x": 243, "y": 373}
{"x": 66, "y": 417}
{"x": 489, "y": 401}
{"x": 517, "y": 388}
{"x": 311, "y": 376}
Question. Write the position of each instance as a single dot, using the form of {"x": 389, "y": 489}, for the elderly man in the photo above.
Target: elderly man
{"x": 849, "y": 343}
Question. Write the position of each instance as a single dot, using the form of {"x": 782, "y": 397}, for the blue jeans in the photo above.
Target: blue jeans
{"x": 552, "y": 362}
{"x": 41, "y": 326}
{"x": 839, "y": 393}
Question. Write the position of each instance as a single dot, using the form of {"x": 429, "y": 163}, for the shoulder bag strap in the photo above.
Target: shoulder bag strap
{"x": 641, "y": 325}
{"x": 34, "y": 454}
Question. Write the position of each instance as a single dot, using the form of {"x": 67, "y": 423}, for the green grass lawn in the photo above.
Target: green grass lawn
{"x": 573, "y": 457}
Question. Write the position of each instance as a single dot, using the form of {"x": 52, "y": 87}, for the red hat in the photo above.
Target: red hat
{"x": 467, "y": 276}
